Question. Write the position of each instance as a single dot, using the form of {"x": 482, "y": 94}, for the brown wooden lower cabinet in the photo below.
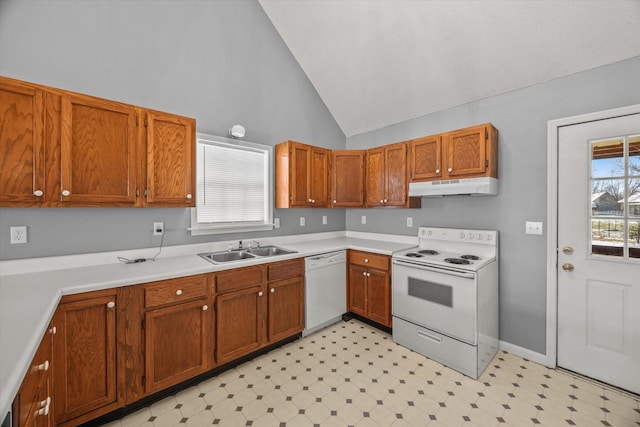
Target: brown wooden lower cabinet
{"x": 369, "y": 286}
{"x": 113, "y": 347}
{"x": 86, "y": 376}
{"x": 33, "y": 405}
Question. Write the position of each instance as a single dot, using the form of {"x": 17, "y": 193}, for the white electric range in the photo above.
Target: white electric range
{"x": 445, "y": 297}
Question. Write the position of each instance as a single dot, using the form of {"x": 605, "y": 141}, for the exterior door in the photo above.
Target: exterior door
{"x": 599, "y": 250}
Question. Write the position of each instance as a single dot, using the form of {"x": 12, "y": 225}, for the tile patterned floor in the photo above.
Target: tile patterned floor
{"x": 351, "y": 374}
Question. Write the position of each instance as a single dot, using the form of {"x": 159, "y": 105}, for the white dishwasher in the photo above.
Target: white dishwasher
{"x": 325, "y": 290}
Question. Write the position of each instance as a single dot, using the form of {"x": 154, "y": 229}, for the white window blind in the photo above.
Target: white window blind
{"x": 232, "y": 186}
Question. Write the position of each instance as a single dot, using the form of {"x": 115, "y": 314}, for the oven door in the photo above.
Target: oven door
{"x": 435, "y": 298}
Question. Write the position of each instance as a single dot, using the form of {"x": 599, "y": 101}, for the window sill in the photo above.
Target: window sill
{"x": 201, "y": 231}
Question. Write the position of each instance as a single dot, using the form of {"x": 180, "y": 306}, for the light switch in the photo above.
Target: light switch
{"x": 324, "y": 220}
{"x": 302, "y": 221}
{"x": 363, "y": 219}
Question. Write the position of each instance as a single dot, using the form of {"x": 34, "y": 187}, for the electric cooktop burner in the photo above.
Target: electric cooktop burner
{"x": 471, "y": 257}
{"x": 458, "y": 261}
{"x": 414, "y": 255}
{"x": 428, "y": 252}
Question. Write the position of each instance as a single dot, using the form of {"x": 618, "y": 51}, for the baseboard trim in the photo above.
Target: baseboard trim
{"x": 524, "y": 353}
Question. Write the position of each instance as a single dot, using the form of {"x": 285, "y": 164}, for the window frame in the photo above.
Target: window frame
{"x": 199, "y": 229}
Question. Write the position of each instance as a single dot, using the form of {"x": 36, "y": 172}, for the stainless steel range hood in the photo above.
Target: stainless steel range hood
{"x": 484, "y": 186}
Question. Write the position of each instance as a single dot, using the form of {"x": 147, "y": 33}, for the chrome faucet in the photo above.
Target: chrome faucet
{"x": 257, "y": 244}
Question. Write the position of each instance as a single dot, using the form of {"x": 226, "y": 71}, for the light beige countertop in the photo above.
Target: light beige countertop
{"x": 30, "y": 290}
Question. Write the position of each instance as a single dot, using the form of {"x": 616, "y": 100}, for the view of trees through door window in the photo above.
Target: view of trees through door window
{"x": 615, "y": 196}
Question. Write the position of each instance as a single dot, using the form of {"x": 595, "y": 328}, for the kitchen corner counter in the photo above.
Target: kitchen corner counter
{"x": 28, "y": 300}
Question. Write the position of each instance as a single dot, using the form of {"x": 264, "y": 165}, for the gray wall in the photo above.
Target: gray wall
{"x": 221, "y": 62}
{"x": 521, "y": 117}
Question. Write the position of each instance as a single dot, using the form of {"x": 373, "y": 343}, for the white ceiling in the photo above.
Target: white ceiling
{"x": 379, "y": 62}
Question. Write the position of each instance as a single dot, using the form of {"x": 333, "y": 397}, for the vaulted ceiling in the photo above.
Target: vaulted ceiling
{"x": 380, "y": 62}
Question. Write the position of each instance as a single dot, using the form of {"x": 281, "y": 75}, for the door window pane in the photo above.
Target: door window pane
{"x": 615, "y": 197}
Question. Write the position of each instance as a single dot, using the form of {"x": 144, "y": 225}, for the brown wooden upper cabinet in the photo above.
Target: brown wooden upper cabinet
{"x": 464, "y": 153}
{"x": 302, "y": 176}
{"x": 347, "y": 178}
{"x": 387, "y": 176}
{"x": 60, "y": 148}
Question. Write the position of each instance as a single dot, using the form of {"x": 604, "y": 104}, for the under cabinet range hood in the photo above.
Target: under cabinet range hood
{"x": 483, "y": 186}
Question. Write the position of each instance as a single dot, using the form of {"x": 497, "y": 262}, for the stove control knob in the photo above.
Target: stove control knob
{"x": 480, "y": 237}
{"x": 472, "y": 236}
{"x": 489, "y": 237}
{"x": 462, "y": 236}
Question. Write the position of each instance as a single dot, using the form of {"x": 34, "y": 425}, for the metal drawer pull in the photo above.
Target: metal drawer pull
{"x": 450, "y": 170}
{"x": 53, "y": 330}
{"x": 189, "y": 196}
{"x": 111, "y": 304}
{"x": 437, "y": 170}
{"x": 260, "y": 294}
{"x": 66, "y": 193}
{"x": 429, "y": 337}
{"x": 38, "y": 193}
{"x": 179, "y": 292}
{"x": 366, "y": 260}
{"x": 273, "y": 290}
{"x": 205, "y": 307}
{"x": 43, "y": 366}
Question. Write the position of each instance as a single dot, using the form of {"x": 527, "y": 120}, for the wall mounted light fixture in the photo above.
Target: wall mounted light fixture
{"x": 236, "y": 131}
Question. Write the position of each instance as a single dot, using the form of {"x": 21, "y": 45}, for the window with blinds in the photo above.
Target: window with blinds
{"x": 233, "y": 186}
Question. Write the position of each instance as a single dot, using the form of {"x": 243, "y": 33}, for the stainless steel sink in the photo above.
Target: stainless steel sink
{"x": 243, "y": 254}
{"x": 270, "y": 251}
{"x": 227, "y": 256}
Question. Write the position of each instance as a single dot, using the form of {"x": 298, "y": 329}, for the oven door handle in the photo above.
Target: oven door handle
{"x": 435, "y": 270}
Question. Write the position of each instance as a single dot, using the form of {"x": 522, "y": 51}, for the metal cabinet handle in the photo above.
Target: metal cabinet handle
{"x": 567, "y": 250}
{"x": 111, "y": 304}
{"x": 179, "y": 292}
{"x": 53, "y": 330}
{"x": 381, "y": 201}
{"x": 567, "y": 266}
{"x": 260, "y": 294}
{"x": 385, "y": 200}
{"x": 437, "y": 170}
{"x": 43, "y": 411}
{"x": 335, "y": 201}
{"x": 450, "y": 170}
{"x": 189, "y": 196}
{"x": 38, "y": 193}
{"x": 43, "y": 366}
{"x": 45, "y": 402}
{"x": 66, "y": 193}
{"x": 273, "y": 290}
{"x": 366, "y": 260}
{"x": 364, "y": 273}
{"x": 368, "y": 274}
{"x": 205, "y": 307}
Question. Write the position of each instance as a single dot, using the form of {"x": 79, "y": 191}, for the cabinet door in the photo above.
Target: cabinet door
{"x": 21, "y": 145}
{"x": 379, "y": 297}
{"x": 240, "y": 323}
{"x": 374, "y": 172}
{"x": 395, "y": 166}
{"x": 98, "y": 152}
{"x": 466, "y": 152}
{"x": 178, "y": 344}
{"x": 170, "y": 160}
{"x": 85, "y": 357}
{"x": 358, "y": 290}
{"x": 319, "y": 178}
{"x": 347, "y": 183}
{"x": 300, "y": 173}
{"x": 286, "y": 308}
{"x": 425, "y": 158}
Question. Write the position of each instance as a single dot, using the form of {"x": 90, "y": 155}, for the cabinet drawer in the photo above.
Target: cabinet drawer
{"x": 367, "y": 259}
{"x": 174, "y": 291}
{"x": 238, "y": 279}
{"x": 285, "y": 269}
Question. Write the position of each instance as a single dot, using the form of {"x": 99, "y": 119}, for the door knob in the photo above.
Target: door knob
{"x": 567, "y": 250}
{"x": 567, "y": 266}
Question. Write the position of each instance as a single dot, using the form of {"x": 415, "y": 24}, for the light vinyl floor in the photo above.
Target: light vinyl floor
{"x": 351, "y": 374}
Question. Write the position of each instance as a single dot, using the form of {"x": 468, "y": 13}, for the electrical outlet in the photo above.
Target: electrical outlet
{"x": 19, "y": 234}
{"x": 409, "y": 221}
{"x": 158, "y": 228}
{"x": 324, "y": 220}
{"x": 276, "y": 222}
{"x": 363, "y": 218}
{"x": 303, "y": 222}
{"x": 533, "y": 228}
